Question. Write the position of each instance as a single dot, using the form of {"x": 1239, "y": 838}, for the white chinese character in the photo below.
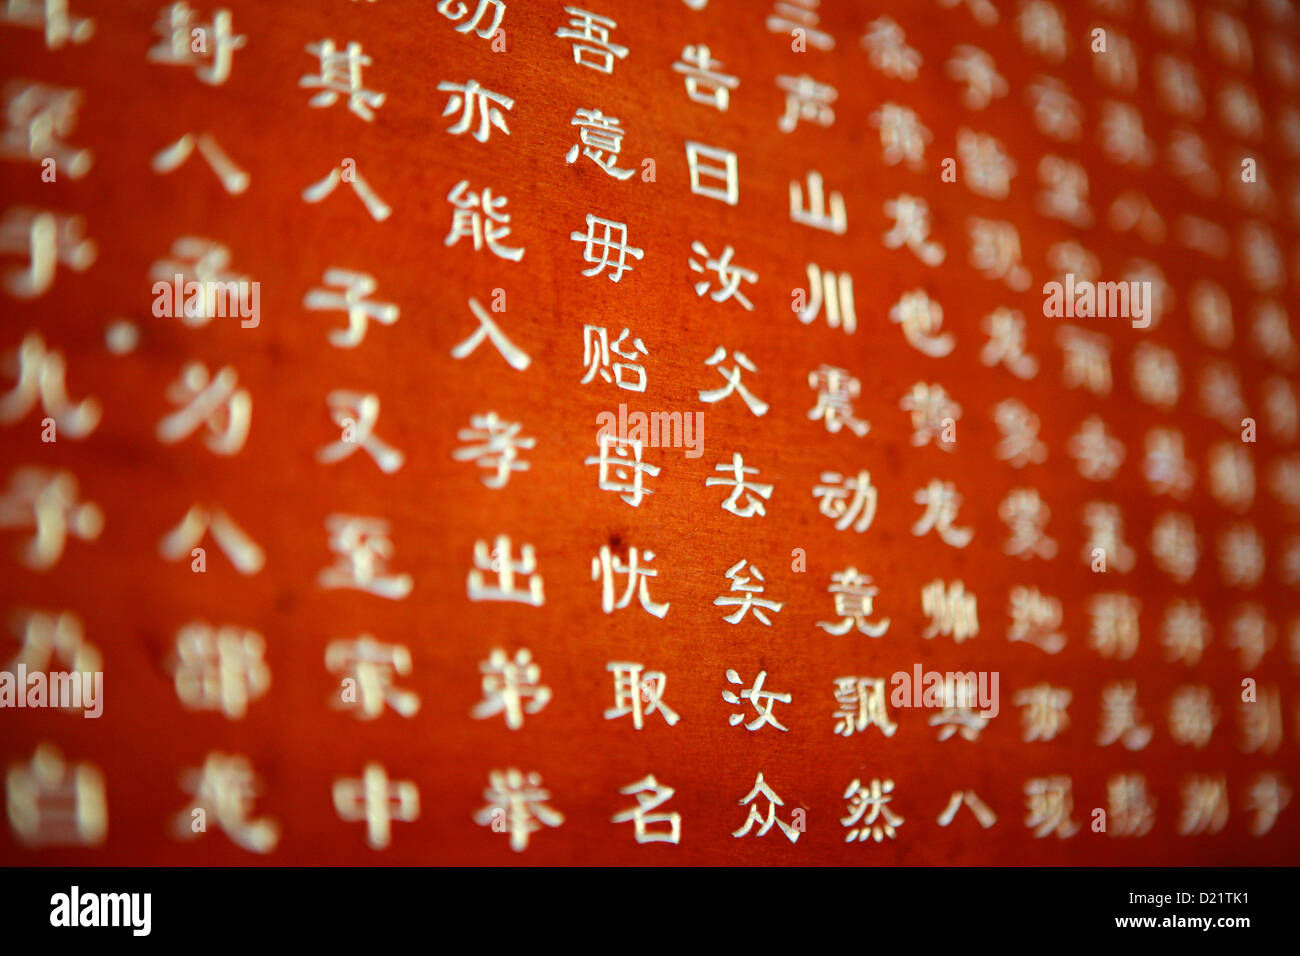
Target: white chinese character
{"x": 1057, "y": 114}
{"x": 1192, "y": 716}
{"x": 623, "y": 471}
{"x": 862, "y": 704}
{"x": 46, "y": 239}
{"x": 171, "y": 157}
{"x": 837, "y": 293}
{"x": 482, "y": 218}
{"x": 951, "y": 610}
{"x": 754, "y": 816}
{"x": 606, "y": 566}
{"x": 1019, "y": 445}
{"x": 369, "y": 670}
{"x": 515, "y": 357}
{"x": 1114, "y": 628}
{"x": 511, "y": 687}
{"x": 1121, "y": 718}
{"x": 1267, "y": 797}
{"x": 1205, "y": 805}
{"x": 516, "y": 804}
{"x": 1178, "y": 88}
{"x": 975, "y": 68}
{"x": 590, "y": 35}
{"x": 729, "y": 276}
{"x": 595, "y": 356}
{"x": 1065, "y": 191}
{"x": 732, "y": 378}
{"x": 38, "y": 115}
{"x": 1087, "y": 359}
{"x": 346, "y": 172}
{"x": 984, "y": 816}
{"x": 340, "y": 73}
{"x": 202, "y": 265}
{"x": 224, "y": 789}
{"x": 740, "y": 583}
{"x": 902, "y": 135}
{"x": 1261, "y": 722}
{"x": 1155, "y": 375}
{"x": 704, "y": 83}
{"x": 52, "y": 803}
{"x": 357, "y": 286}
{"x": 1189, "y": 158}
{"x": 761, "y": 700}
{"x": 39, "y": 374}
{"x": 1220, "y": 395}
{"x": 958, "y": 696}
{"x": 1044, "y": 716}
{"x": 1050, "y": 803}
{"x": 1130, "y": 811}
{"x": 1241, "y": 556}
{"x": 1282, "y": 408}
{"x": 455, "y": 10}
{"x": 922, "y": 318}
{"x": 854, "y": 595}
{"x": 799, "y": 19}
{"x": 1097, "y": 454}
{"x": 638, "y": 692}
{"x": 995, "y": 251}
{"x": 985, "y": 163}
{"x": 1006, "y": 344}
{"x": 941, "y": 502}
{"x": 601, "y": 140}
{"x": 934, "y": 415}
{"x": 606, "y": 243}
{"x": 378, "y": 801}
{"x": 983, "y": 11}
{"x": 495, "y": 447}
{"x": 499, "y": 562}
{"x": 754, "y": 493}
{"x": 474, "y": 100}
{"x": 186, "y": 41}
{"x": 805, "y": 99}
{"x": 1251, "y": 633}
{"x": 212, "y": 401}
{"x": 1184, "y": 632}
{"x": 1042, "y": 29}
{"x": 836, "y": 390}
{"x": 47, "y": 637}
{"x": 1105, "y": 523}
{"x": 650, "y": 794}
{"x": 911, "y": 228}
{"x": 713, "y": 172}
{"x": 887, "y": 49}
{"x": 869, "y": 816}
{"x": 859, "y": 510}
{"x": 356, "y": 413}
{"x": 220, "y": 668}
{"x": 182, "y": 541}
{"x": 46, "y": 501}
{"x": 1123, "y": 139}
{"x": 1271, "y": 333}
{"x": 363, "y": 548}
{"x": 816, "y": 215}
{"x": 52, "y": 17}
{"x": 1035, "y": 619}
